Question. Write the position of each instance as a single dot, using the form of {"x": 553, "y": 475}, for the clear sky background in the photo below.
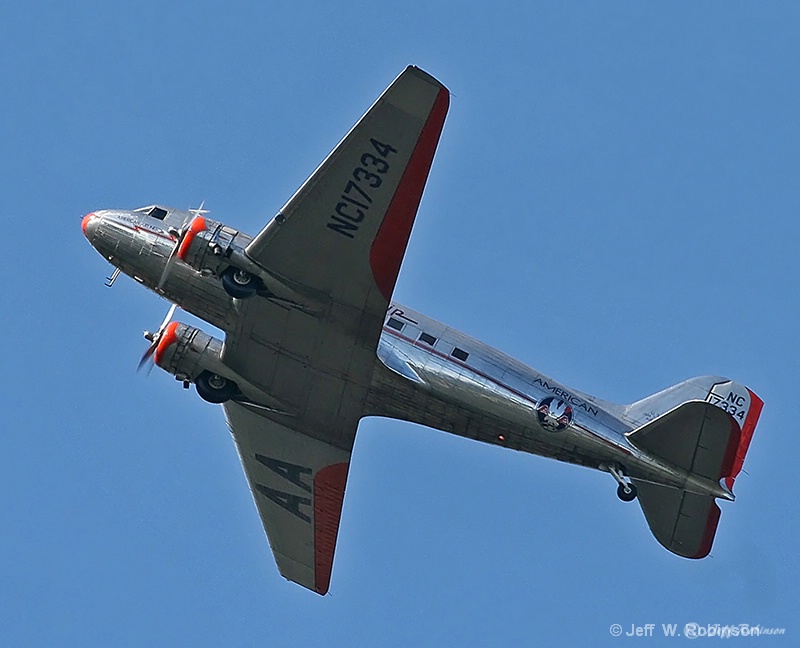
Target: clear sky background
{"x": 614, "y": 200}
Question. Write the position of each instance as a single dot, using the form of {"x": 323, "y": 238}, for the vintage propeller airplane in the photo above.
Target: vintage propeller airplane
{"x": 313, "y": 344}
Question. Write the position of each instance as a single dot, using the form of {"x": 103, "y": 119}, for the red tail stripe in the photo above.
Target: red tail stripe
{"x": 329, "y": 483}
{"x": 390, "y": 243}
{"x": 197, "y": 226}
{"x": 756, "y": 405}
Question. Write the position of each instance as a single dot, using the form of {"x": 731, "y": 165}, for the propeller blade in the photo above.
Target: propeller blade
{"x": 168, "y": 266}
{"x": 171, "y": 258}
{"x": 178, "y": 240}
{"x": 199, "y": 211}
{"x": 155, "y": 338}
{"x": 146, "y": 356}
{"x": 170, "y": 313}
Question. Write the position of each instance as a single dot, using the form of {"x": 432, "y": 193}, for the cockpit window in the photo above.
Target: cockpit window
{"x": 153, "y": 211}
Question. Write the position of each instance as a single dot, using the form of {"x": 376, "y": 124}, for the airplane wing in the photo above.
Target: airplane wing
{"x": 344, "y": 232}
{"x": 298, "y": 485}
{"x": 337, "y": 244}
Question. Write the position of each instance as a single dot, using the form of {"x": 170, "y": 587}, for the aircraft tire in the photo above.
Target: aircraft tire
{"x": 627, "y": 495}
{"x": 239, "y": 284}
{"x": 215, "y": 389}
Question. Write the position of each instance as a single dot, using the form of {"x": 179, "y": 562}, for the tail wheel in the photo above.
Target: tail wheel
{"x": 627, "y": 492}
{"x": 215, "y": 389}
{"x": 240, "y": 284}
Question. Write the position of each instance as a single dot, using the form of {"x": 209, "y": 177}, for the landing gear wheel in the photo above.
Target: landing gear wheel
{"x": 627, "y": 492}
{"x": 240, "y": 284}
{"x": 215, "y": 389}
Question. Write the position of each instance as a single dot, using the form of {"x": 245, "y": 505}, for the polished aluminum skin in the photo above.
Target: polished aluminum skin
{"x": 313, "y": 343}
{"x": 489, "y": 396}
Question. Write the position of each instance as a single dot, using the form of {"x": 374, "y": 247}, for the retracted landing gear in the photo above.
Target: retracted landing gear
{"x": 626, "y": 491}
{"x": 240, "y": 284}
{"x": 215, "y": 389}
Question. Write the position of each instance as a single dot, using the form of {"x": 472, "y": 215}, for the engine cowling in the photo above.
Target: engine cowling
{"x": 194, "y": 356}
{"x": 186, "y": 352}
{"x": 211, "y": 247}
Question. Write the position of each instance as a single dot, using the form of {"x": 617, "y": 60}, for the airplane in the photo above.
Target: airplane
{"x": 314, "y": 343}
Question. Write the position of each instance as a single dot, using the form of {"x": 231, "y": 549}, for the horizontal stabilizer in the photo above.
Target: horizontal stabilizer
{"x": 649, "y": 416}
{"x": 683, "y": 522}
{"x": 696, "y": 436}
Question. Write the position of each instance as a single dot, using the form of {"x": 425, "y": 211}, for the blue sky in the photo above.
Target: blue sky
{"x": 614, "y": 201}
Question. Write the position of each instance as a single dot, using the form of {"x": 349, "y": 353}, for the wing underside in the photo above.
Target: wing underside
{"x": 336, "y": 246}
{"x": 298, "y": 486}
{"x": 344, "y": 232}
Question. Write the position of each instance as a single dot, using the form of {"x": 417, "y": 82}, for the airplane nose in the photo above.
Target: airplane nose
{"x": 89, "y": 225}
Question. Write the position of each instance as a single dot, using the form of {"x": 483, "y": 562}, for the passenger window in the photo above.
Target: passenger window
{"x": 394, "y": 323}
{"x": 427, "y": 339}
{"x": 460, "y": 354}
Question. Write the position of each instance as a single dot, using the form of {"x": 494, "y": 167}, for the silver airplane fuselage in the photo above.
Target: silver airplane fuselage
{"x": 426, "y": 372}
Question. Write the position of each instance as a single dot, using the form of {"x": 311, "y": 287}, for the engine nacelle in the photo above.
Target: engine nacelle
{"x": 186, "y": 352}
{"x": 194, "y": 356}
{"x": 211, "y": 247}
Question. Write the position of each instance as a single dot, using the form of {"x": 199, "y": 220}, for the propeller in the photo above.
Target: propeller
{"x": 155, "y": 338}
{"x": 179, "y": 235}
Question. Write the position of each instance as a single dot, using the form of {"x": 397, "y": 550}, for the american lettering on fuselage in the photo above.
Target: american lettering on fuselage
{"x": 566, "y": 396}
{"x": 305, "y": 354}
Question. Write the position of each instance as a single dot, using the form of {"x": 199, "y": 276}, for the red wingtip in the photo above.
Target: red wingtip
{"x": 329, "y": 483}
{"x": 390, "y": 243}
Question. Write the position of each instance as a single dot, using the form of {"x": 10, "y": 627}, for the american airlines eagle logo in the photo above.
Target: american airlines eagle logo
{"x": 554, "y": 414}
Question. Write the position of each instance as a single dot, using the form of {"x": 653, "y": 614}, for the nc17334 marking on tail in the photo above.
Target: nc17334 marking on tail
{"x": 356, "y": 199}
{"x": 735, "y": 404}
